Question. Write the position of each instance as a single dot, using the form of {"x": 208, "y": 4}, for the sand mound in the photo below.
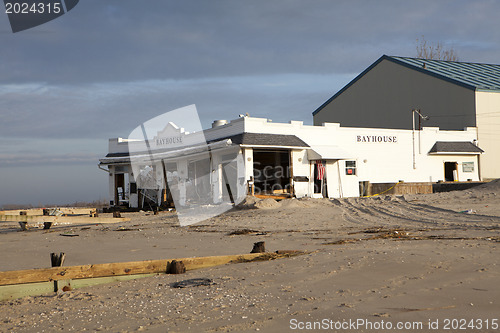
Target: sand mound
{"x": 310, "y": 202}
{"x": 294, "y": 203}
{"x": 248, "y": 203}
{"x": 490, "y": 187}
{"x": 267, "y": 203}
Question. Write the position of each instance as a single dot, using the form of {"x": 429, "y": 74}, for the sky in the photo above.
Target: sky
{"x": 105, "y": 67}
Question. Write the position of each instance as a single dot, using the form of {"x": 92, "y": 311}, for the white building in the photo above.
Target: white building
{"x": 288, "y": 159}
{"x": 453, "y": 94}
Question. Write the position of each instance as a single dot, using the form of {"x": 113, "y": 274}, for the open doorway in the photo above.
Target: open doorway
{"x": 121, "y": 195}
{"x": 320, "y": 179}
{"x": 450, "y": 171}
{"x": 271, "y": 171}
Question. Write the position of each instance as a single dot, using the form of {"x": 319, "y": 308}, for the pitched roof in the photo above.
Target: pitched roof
{"x": 456, "y": 147}
{"x": 248, "y": 139}
{"x": 474, "y": 76}
{"x": 264, "y": 139}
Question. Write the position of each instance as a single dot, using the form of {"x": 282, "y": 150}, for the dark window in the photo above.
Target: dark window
{"x": 350, "y": 168}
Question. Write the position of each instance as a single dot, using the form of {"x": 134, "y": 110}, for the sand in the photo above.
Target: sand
{"x": 391, "y": 259}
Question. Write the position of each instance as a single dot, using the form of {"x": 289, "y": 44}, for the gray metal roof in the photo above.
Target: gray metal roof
{"x": 476, "y": 75}
{"x": 455, "y": 147}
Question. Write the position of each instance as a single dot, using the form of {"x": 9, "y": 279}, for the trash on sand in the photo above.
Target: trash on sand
{"x": 193, "y": 283}
{"x": 468, "y": 211}
{"x": 126, "y": 229}
{"x": 242, "y": 232}
{"x": 67, "y": 234}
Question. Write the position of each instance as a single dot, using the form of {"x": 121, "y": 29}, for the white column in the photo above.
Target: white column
{"x": 182, "y": 169}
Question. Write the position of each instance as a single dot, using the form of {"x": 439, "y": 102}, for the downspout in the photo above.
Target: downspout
{"x": 99, "y": 166}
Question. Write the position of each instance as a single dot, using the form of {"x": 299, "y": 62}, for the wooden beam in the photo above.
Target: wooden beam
{"x": 36, "y": 211}
{"x": 123, "y": 268}
{"x": 39, "y": 211}
{"x": 273, "y": 196}
{"x": 62, "y": 219}
{"x": 43, "y": 288}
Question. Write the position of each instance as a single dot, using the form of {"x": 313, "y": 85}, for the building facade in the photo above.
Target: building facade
{"x": 257, "y": 156}
{"x": 452, "y": 95}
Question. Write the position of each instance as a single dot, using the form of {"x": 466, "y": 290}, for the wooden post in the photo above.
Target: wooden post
{"x": 259, "y": 247}
{"x": 57, "y": 261}
{"x": 176, "y": 267}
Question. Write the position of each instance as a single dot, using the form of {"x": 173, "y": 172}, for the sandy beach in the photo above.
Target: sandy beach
{"x": 428, "y": 263}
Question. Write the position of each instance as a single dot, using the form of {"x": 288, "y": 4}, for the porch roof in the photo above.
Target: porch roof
{"x": 455, "y": 147}
{"x": 327, "y": 153}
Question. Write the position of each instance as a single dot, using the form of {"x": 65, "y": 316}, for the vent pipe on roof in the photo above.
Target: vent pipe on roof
{"x": 218, "y": 123}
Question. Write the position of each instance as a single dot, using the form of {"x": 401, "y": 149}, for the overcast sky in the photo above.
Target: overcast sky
{"x": 107, "y": 66}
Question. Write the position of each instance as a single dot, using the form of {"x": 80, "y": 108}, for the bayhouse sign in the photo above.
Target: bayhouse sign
{"x": 377, "y": 138}
{"x": 169, "y": 141}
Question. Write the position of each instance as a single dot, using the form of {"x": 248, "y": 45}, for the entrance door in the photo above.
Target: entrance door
{"x": 271, "y": 171}
{"x": 320, "y": 189}
{"x": 450, "y": 171}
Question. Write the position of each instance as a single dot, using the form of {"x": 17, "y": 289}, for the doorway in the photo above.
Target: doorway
{"x": 320, "y": 179}
{"x": 450, "y": 171}
{"x": 271, "y": 171}
{"x": 121, "y": 194}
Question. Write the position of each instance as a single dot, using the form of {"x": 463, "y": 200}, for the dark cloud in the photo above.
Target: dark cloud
{"x": 117, "y": 40}
{"x": 37, "y": 159}
{"x": 113, "y": 109}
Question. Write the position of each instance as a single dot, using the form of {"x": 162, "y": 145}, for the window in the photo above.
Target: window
{"x": 468, "y": 166}
{"x": 350, "y": 168}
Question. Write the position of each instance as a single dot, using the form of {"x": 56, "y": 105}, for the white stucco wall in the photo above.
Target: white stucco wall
{"x": 301, "y": 167}
{"x": 385, "y": 160}
{"x": 488, "y": 123}
{"x": 381, "y": 155}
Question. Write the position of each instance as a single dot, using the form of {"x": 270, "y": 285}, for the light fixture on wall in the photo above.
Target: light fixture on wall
{"x": 420, "y": 118}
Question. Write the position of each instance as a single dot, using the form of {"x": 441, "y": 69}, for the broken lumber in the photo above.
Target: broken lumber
{"x": 57, "y": 260}
{"x": 62, "y": 219}
{"x": 259, "y": 247}
{"x": 122, "y": 268}
{"x": 34, "y": 282}
{"x": 39, "y": 211}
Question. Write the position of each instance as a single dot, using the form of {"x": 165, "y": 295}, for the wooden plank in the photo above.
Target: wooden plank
{"x": 273, "y": 196}
{"x": 77, "y": 210}
{"x": 25, "y": 290}
{"x": 81, "y": 283}
{"x": 12, "y": 291}
{"x": 32, "y": 211}
{"x": 44, "y": 288}
{"x": 62, "y": 219}
{"x": 117, "y": 269}
{"x": 39, "y": 211}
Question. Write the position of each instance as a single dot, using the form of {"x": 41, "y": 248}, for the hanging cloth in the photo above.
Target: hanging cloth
{"x": 320, "y": 170}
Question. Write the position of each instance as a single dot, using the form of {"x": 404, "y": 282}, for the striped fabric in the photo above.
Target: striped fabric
{"x": 321, "y": 170}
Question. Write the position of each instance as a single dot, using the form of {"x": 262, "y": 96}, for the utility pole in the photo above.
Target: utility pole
{"x": 420, "y": 118}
